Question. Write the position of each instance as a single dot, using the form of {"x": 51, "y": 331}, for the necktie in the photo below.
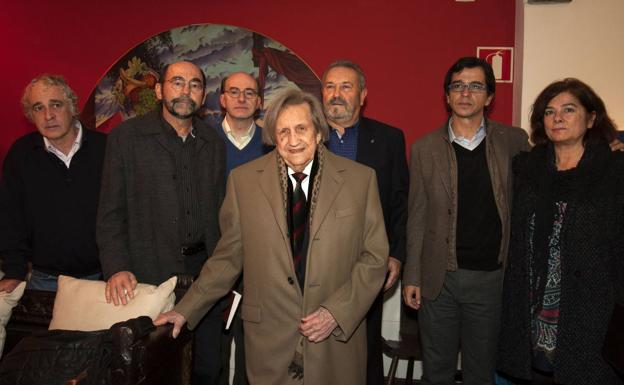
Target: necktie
{"x": 299, "y": 216}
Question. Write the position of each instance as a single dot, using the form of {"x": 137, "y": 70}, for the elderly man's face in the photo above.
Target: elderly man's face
{"x": 342, "y": 96}
{"x": 296, "y": 137}
{"x": 182, "y": 90}
{"x": 51, "y": 111}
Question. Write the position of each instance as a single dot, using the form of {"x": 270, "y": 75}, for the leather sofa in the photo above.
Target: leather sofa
{"x": 141, "y": 353}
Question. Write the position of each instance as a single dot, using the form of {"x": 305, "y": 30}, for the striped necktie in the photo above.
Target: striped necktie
{"x": 299, "y": 216}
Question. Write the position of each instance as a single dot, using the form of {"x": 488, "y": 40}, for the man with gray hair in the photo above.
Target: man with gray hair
{"x": 307, "y": 229}
{"x": 49, "y": 192}
{"x": 382, "y": 148}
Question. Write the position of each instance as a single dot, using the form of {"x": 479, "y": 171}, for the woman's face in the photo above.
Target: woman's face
{"x": 566, "y": 120}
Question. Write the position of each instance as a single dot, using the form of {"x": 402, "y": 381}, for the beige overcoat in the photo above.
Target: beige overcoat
{"x": 346, "y": 266}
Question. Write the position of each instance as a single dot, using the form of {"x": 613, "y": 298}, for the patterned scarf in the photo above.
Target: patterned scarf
{"x": 295, "y": 369}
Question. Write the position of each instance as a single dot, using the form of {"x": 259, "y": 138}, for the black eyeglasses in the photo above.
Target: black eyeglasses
{"x": 248, "y": 93}
{"x": 474, "y": 87}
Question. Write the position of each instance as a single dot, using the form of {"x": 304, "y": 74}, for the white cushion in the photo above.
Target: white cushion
{"x": 80, "y": 304}
{"x": 7, "y": 303}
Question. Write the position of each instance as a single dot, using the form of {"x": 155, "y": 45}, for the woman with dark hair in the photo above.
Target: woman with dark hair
{"x": 565, "y": 267}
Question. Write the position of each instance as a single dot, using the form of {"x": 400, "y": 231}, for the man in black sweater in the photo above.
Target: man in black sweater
{"x": 458, "y": 228}
{"x": 49, "y": 192}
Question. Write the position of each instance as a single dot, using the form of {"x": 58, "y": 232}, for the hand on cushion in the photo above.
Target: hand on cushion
{"x": 120, "y": 287}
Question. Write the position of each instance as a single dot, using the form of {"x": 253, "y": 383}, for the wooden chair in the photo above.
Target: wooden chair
{"x": 407, "y": 347}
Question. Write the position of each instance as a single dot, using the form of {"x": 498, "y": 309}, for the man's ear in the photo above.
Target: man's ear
{"x": 363, "y": 95}
{"x": 158, "y": 91}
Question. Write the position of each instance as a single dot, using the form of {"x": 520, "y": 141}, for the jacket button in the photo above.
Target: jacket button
{"x": 291, "y": 280}
{"x": 577, "y": 274}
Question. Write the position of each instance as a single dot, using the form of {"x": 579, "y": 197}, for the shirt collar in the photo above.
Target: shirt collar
{"x": 228, "y": 130}
{"x": 353, "y": 128}
{"x": 306, "y": 170}
{"x": 465, "y": 142}
{"x": 47, "y": 144}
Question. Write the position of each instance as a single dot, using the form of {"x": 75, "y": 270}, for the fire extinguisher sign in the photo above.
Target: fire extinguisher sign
{"x": 501, "y": 60}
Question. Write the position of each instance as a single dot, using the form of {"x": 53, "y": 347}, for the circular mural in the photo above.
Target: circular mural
{"x": 127, "y": 89}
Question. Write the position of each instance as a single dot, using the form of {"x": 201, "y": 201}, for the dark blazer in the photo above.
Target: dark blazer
{"x": 382, "y": 148}
{"x": 137, "y": 227}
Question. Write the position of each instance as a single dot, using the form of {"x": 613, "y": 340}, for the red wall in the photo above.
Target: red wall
{"x": 404, "y": 46}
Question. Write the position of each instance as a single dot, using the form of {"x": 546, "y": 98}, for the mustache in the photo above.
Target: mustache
{"x": 184, "y": 99}
{"x": 337, "y": 101}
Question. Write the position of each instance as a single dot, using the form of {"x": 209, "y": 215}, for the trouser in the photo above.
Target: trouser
{"x": 467, "y": 310}
{"x": 48, "y": 282}
{"x": 207, "y": 346}
{"x": 236, "y": 333}
{"x": 374, "y": 361}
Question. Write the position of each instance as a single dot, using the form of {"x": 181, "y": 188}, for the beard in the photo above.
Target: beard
{"x": 338, "y": 110}
{"x": 175, "y": 108}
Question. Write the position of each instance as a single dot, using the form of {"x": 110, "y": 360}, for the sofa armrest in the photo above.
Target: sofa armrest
{"x": 149, "y": 355}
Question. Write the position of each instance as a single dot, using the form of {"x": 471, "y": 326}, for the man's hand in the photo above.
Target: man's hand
{"x": 616, "y": 145}
{"x": 318, "y": 325}
{"x": 394, "y": 270}
{"x": 9, "y": 284}
{"x": 171, "y": 317}
{"x": 411, "y": 296}
{"x": 120, "y": 287}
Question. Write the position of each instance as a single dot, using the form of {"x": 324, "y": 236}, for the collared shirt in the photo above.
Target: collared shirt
{"x": 468, "y": 144}
{"x": 306, "y": 182}
{"x": 191, "y": 132}
{"x": 345, "y": 145}
{"x": 244, "y": 140}
{"x": 75, "y": 147}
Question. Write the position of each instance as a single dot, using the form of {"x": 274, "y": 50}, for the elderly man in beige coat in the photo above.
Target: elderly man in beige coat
{"x": 307, "y": 287}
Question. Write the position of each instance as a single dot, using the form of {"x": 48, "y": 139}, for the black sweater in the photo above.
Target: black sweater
{"x": 479, "y": 228}
{"x": 47, "y": 211}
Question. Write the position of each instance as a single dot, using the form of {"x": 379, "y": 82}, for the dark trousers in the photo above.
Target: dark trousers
{"x": 207, "y": 347}
{"x": 234, "y": 333}
{"x": 374, "y": 363}
{"x": 467, "y": 310}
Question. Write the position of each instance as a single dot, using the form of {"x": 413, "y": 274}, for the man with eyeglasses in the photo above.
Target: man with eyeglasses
{"x": 162, "y": 186}
{"x": 458, "y": 228}
{"x": 49, "y": 192}
{"x": 382, "y": 148}
{"x": 240, "y": 100}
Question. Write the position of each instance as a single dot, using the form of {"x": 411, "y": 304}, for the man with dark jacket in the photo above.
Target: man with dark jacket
{"x": 162, "y": 186}
{"x": 382, "y": 148}
{"x": 49, "y": 192}
{"x": 458, "y": 228}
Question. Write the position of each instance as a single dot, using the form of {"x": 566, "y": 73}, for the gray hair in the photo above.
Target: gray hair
{"x": 351, "y": 65}
{"x": 293, "y": 97}
{"x": 50, "y": 80}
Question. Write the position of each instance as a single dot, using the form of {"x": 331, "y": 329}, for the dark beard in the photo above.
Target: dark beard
{"x": 170, "y": 106}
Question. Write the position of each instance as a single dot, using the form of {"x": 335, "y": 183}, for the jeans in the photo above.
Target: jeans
{"x": 47, "y": 282}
